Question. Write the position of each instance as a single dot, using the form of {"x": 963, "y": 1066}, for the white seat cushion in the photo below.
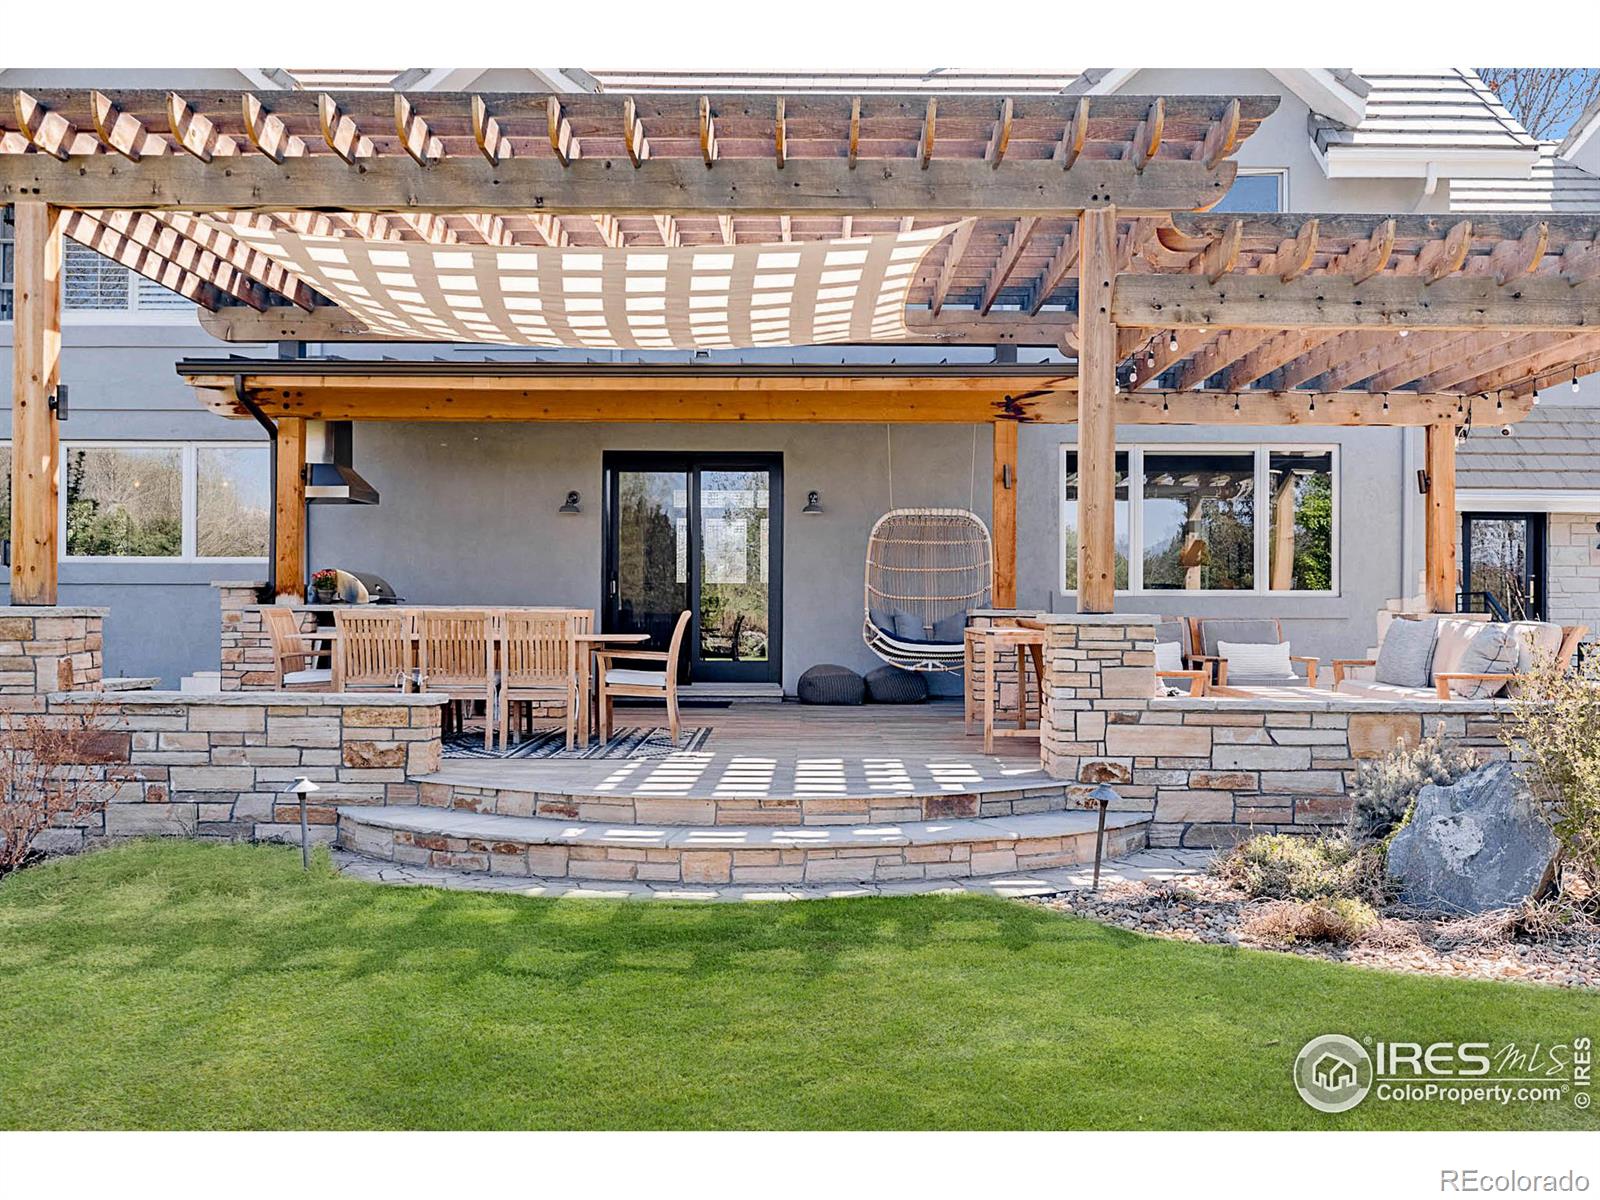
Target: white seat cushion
{"x": 310, "y": 676}
{"x": 637, "y": 678}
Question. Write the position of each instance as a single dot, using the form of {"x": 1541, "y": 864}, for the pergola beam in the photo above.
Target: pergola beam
{"x": 1396, "y": 302}
{"x": 682, "y": 186}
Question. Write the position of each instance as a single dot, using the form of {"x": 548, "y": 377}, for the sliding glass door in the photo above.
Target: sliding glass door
{"x": 701, "y": 532}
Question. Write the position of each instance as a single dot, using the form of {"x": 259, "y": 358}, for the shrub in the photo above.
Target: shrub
{"x": 1555, "y": 730}
{"x": 1281, "y": 866}
{"x": 46, "y": 779}
{"x": 1386, "y": 788}
{"x": 1339, "y": 919}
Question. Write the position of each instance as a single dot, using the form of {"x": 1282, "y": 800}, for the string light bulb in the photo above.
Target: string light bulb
{"x": 1172, "y": 343}
{"x": 1574, "y": 378}
{"x": 1499, "y": 402}
{"x": 1386, "y": 402}
{"x": 1164, "y": 406}
{"x": 1236, "y": 404}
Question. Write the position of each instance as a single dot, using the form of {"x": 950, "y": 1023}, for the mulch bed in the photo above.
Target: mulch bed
{"x": 1205, "y": 909}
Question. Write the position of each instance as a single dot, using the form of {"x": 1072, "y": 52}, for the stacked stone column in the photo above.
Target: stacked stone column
{"x": 1099, "y": 678}
{"x": 49, "y": 649}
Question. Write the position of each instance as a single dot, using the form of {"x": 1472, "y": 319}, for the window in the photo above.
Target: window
{"x": 8, "y": 266}
{"x": 1069, "y": 520}
{"x": 1256, "y": 191}
{"x": 233, "y": 499}
{"x": 181, "y": 502}
{"x": 1300, "y": 491}
{"x": 1193, "y": 515}
{"x": 124, "y": 503}
{"x": 5, "y": 492}
{"x": 1199, "y": 522}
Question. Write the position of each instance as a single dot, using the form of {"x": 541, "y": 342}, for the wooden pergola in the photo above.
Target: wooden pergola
{"x": 1080, "y": 223}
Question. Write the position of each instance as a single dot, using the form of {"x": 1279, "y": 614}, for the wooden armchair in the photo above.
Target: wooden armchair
{"x": 1206, "y": 633}
{"x": 294, "y": 658}
{"x": 649, "y": 685}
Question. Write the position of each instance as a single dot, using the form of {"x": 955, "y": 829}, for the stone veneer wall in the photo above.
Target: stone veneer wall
{"x": 198, "y": 765}
{"x": 48, "y": 649}
{"x": 247, "y": 656}
{"x": 1574, "y": 563}
{"x": 1215, "y": 769}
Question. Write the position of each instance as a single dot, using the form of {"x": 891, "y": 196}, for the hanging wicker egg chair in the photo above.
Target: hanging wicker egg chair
{"x": 927, "y": 568}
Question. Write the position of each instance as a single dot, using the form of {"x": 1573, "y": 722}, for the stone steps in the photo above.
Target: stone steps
{"x": 550, "y": 848}
{"x": 512, "y": 796}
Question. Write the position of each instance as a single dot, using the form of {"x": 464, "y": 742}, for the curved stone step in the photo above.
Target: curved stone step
{"x": 557, "y": 849}
{"x": 474, "y": 789}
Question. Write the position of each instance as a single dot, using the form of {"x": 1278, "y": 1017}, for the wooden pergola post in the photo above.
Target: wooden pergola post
{"x": 289, "y": 519}
{"x": 36, "y": 367}
{"x": 1440, "y": 523}
{"x": 1004, "y": 513}
{"x": 1097, "y": 414}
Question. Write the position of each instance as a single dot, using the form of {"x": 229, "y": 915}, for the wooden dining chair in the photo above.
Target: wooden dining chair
{"x": 648, "y": 685}
{"x": 455, "y": 655}
{"x": 294, "y": 658}
{"x": 538, "y": 666}
{"x": 373, "y": 651}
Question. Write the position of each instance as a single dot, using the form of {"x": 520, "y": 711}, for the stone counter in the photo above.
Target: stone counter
{"x": 215, "y": 765}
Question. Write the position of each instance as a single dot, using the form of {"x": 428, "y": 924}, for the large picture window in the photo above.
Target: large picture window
{"x": 1216, "y": 519}
{"x": 165, "y": 501}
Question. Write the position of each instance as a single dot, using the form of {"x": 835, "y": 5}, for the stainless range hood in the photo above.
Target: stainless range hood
{"x": 330, "y": 477}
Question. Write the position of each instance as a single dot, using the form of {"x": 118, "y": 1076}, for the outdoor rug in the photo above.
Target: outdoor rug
{"x": 631, "y": 741}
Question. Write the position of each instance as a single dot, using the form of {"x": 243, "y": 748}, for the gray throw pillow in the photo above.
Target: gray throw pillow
{"x": 882, "y": 618}
{"x": 948, "y": 631}
{"x": 1406, "y": 657}
{"x": 908, "y": 627}
{"x": 1493, "y": 652}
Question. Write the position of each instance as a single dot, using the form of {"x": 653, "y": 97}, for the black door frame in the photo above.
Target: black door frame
{"x": 691, "y": 463}
{"x": 1538, "y": 558}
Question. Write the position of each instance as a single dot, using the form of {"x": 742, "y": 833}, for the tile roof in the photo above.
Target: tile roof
{"x": 1449, "y": 109}
{"x": 1556, "y": 447}
{"x": 1557, "y": 186}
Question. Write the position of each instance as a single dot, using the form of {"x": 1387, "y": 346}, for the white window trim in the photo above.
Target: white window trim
{"x": 189, "y": 459}
{"x": 1262, "y": 452}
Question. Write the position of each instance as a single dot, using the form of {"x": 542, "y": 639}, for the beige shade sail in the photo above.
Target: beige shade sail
{"x": 631, "y": 298}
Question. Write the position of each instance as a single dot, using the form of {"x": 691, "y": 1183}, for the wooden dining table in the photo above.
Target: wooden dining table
{"x": 589, "y": 643}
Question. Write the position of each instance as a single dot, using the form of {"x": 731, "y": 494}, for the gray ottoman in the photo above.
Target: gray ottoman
{"x": 891, "y": 685}
{"x": 830, "y": 684}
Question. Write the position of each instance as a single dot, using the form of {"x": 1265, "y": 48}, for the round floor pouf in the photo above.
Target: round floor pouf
{"x": 830, "y": 684}
{"x": 891, "y": 685}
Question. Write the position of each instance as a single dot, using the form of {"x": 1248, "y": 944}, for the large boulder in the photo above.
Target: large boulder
{"x": 1477, "y": 844}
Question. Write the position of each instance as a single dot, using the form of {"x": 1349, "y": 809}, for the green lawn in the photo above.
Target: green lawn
{"x": 177, "y": 984}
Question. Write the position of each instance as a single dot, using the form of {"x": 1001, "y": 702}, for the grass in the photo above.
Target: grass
{"x": 186, "y": 985}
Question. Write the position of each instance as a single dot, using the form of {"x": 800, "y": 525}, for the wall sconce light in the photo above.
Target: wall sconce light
{"x": 1422, "y": 482}
{"x": 1005, "y": 476}
{"x": 574, "y": 504}
{"x": 813, "y": 504}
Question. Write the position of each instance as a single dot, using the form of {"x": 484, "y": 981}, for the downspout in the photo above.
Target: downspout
{"x": 241, "y": 393}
